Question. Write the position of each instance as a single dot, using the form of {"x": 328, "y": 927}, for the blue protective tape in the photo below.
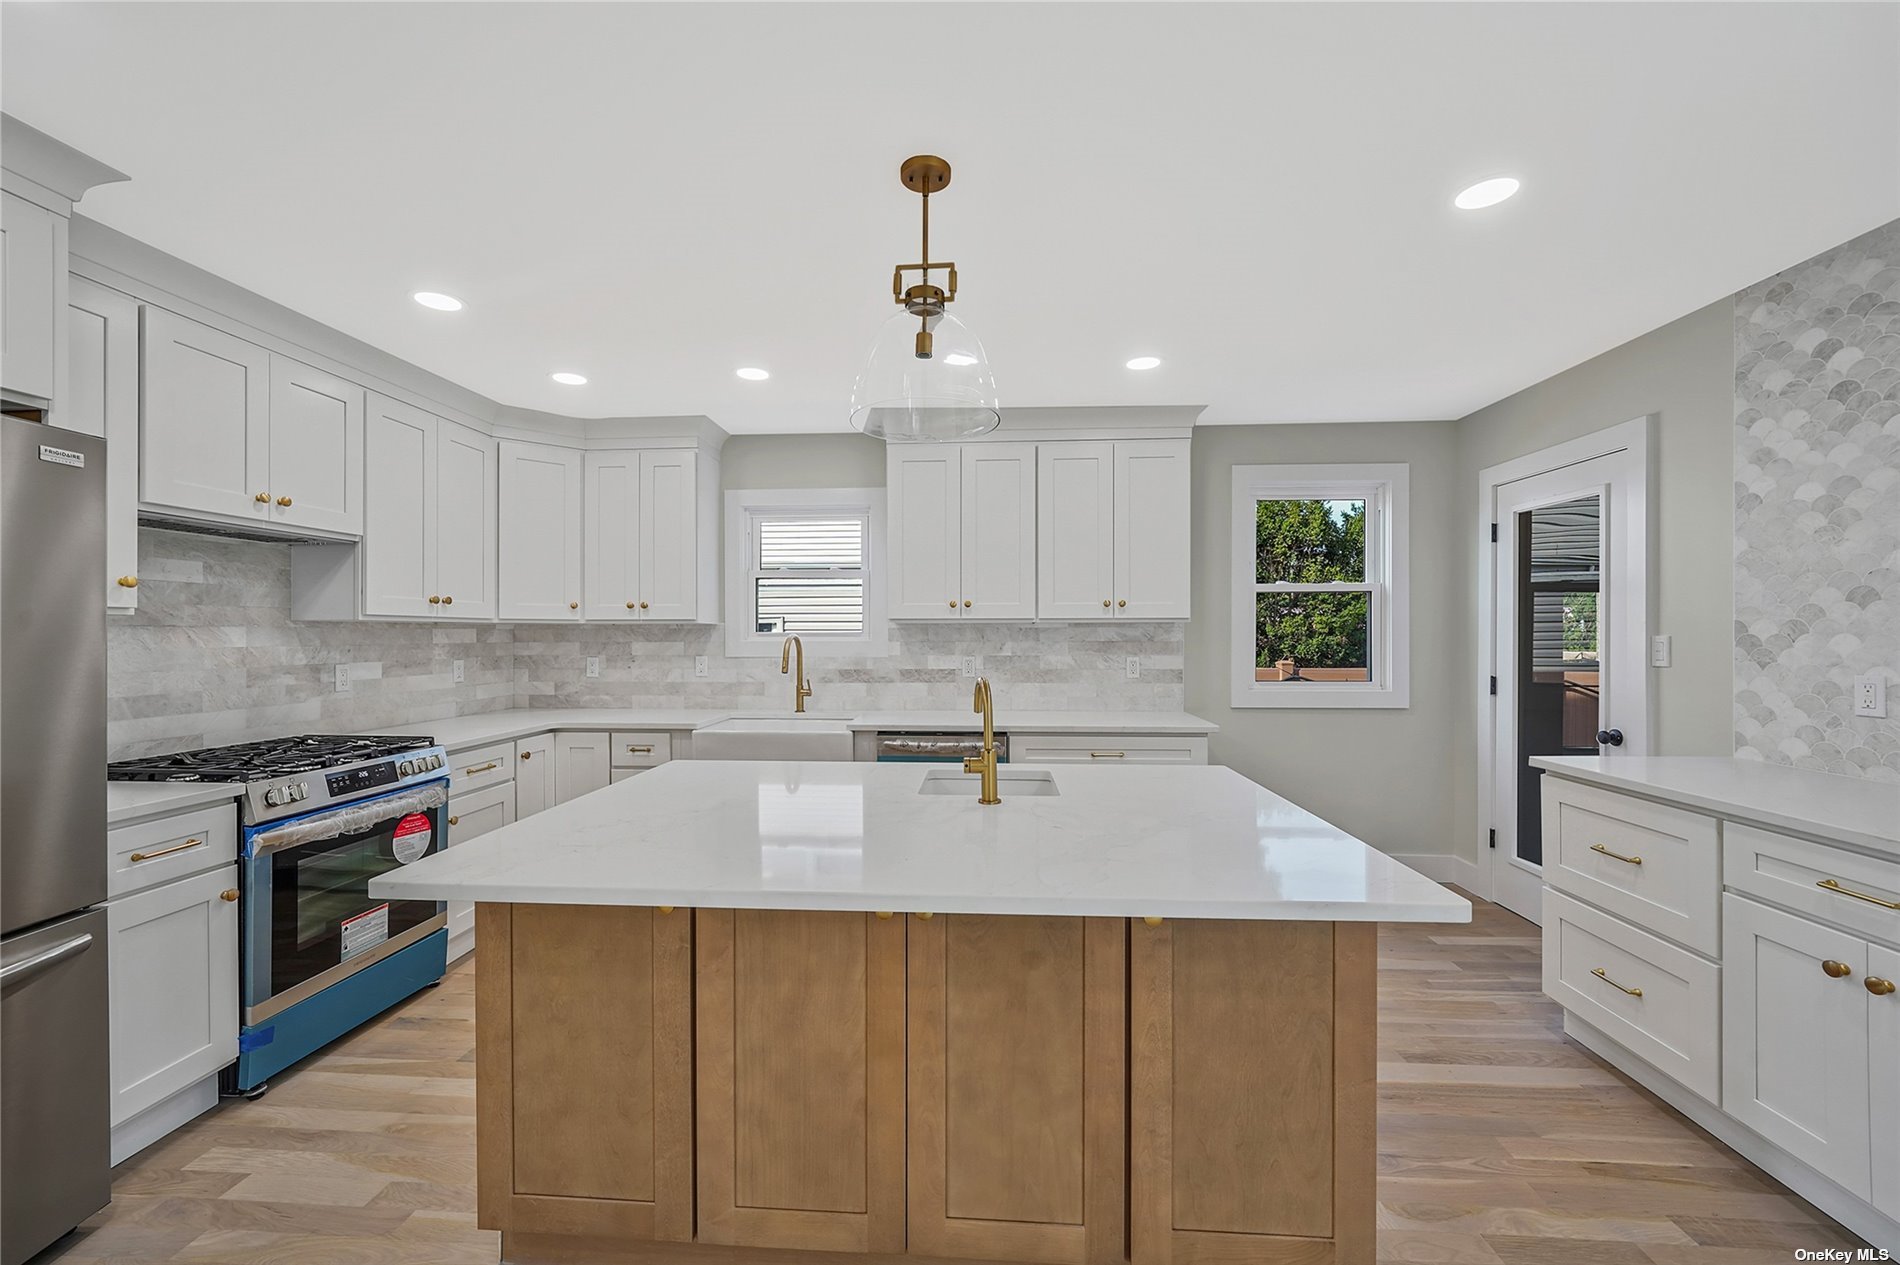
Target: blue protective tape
{"x": 252, "y": 1038}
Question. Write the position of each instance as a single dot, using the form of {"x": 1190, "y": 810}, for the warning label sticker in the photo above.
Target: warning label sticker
{"x": 412, "y": 838}
{"x": 365, "y": 931}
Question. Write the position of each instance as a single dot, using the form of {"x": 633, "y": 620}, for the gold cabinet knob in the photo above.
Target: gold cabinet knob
{"x": 262, "y": 498}
{"x": 629, "y": 605}
{"x": 883, "y": 915}
{"x": 435, "y": 599}
{"x": 573, "y": 606}
{"x": 1104, "y": 603}
{"x": 1153, "y": 921}
{"x": 1879, "y": 987}
{"x": 666, "y": 909}
{"x": 447, "y": 600}
{"x": 228, "y": 894}
{"x": 1836, "y": 970}
{"x": 643, "y": 606}
{"x": 966, "y": 603}
{"x": 1122, "y": 602}
{"x": 527, "y": 755}
{"x": 953, "y": 603}
{"x": 128, "y": 581}
{"x": 453, "y": 821}
{"x": 925, "y": 917}
{"x": 284, "y": 501}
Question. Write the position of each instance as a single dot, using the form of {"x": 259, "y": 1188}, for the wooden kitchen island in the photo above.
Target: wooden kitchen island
{"x": 1131, "y": 1021}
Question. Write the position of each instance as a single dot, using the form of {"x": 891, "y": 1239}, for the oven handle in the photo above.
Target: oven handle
{"x": 350, "y": 819}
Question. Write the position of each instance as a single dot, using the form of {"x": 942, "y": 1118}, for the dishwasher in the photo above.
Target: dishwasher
{"x": 944, "y": 748}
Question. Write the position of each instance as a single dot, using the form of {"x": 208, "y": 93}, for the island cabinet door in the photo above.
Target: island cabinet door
{"x": 1251, "y": 1092}
{"x": 1017, "y": 1077}
{"x": 584, "y": 1075}
{"x": 800, "y": 1018}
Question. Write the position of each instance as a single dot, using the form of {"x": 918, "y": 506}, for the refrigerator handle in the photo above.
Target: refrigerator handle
{"x": 14, "y": 972}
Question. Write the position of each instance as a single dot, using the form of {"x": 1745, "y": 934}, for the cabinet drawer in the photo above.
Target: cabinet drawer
{"x": 1596, "y": 966}
{"x": 483, "y": 766}
{"x": 1858, "y": 892}
{"x": 642, "y": 750}
{"x": 147, "y": 853}
{"x": 1108, "y": 749}
{"x": 1655, "y": 865}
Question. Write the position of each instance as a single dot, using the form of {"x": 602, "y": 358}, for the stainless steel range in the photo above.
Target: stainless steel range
{"x": 322, "y": 815}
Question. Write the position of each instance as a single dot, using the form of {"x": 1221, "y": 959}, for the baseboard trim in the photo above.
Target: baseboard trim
{"x": 1842, "y": 1205}
{"x": 162, "y": 1117}
{"x": 1441, "y": 867}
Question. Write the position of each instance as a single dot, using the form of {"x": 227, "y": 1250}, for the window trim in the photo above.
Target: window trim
{"x": 1384, "y": 486}
{"x": 747, "y": 503}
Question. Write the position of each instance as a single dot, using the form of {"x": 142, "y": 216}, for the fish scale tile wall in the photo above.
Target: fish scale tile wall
{"x": 1817, "y": 508}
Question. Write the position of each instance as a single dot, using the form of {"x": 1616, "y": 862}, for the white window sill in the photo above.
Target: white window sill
{"x": 1318, "y": 694}
{"x": 828, "y": 647}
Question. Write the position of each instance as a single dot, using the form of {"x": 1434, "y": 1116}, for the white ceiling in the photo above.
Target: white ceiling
{"x": 1258, "y": 194}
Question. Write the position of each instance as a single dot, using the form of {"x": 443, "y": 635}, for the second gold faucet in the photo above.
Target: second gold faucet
{"x": 801, "y": 684}
{"x": 985, "y": 763}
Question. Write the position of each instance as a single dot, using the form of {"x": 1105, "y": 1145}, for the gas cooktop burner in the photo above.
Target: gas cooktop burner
{"x": 258, "y": 761}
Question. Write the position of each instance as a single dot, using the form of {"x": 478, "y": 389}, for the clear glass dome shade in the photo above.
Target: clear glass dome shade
{"x": 902, "y": 397}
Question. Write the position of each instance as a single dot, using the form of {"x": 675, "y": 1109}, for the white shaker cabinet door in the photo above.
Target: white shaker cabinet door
{"x": 1794, "y": 1037}
{"x": 925, "y": 509}
{"x": 204, "y": 419}
{"x": 669, "y": 534}
{"x": 174, "y": 993}
{"x": 610, "y": 542}
{"x": 1152, "y": 481}
{"x": 31, "y": 265}
{"x": 582, "y": 763}
{"x": 466, "y": 530}
{"x": 1075, "y": 510}
{"x": 1883, "y": 1051}
{"x": 534, "y": 775}
{"x": 400, "y": 510}
{"x": 998, "y": 542}
{"x": 316, "y": 449}
{"x": 102, "y": 398}
{"x": 471, "y": 816}
{"x": 540, "y": 550}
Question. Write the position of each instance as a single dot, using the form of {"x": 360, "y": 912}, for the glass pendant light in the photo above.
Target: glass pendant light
{"x": 927, "y": 377}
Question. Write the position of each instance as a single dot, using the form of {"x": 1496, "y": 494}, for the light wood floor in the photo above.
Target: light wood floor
{"x": 1499, "y": 1143}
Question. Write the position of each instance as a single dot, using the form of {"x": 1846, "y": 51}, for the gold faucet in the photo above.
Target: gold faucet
{"x": 801, "y": 684}
{"x": 985, "y": 763}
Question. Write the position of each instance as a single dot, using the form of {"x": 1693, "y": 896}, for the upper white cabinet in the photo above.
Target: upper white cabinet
{"x": 1113, "y": 539}
{"x": 540, "y": 517}
{"x": 1153, "y": 479}
{"x": 32, "y": 274}
{"x": 467, "y": 524}
{"x": 963, "y": 531}
{"x": 102, "y": 398}
{"x": 232, "y": 430}
{"x": 1076, "y": 541}
{"x": 429, "y": 538}
{"x": 641, "y": 539}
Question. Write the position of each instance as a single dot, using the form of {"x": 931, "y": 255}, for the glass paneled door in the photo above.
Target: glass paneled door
{"x": 1569, "y": 626}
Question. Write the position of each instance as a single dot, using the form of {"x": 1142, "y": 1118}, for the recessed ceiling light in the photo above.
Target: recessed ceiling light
{"x": 751, "y": 374}
{"x": 1144, "y": 362}
{"x": 440, "y": 302}
{"x": 569, "y": 379}
{"x": 1486, "y": 193}
{"x": 958, "y": 359}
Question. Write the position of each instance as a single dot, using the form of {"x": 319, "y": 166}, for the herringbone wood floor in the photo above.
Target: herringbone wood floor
{"x": 1500, "y": 1143}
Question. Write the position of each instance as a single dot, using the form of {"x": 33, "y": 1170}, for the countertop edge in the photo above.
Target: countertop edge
{"x": 181, "y": 797}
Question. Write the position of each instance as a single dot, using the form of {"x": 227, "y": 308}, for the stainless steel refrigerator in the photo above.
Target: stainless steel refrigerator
{"x": 55, "y": 1123}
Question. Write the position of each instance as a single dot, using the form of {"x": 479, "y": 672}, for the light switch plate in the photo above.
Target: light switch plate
{"x": 459, "y": 674}
{"x": 593, "y": 665}
{"x": 343, "y": 678}
{"x": 1134, "y": 667}
{"x": 700, "y": 666}
{"x": 1660, "y": 649}
{"x": 1870, "y": 696}
{"x": 969, "y": 665}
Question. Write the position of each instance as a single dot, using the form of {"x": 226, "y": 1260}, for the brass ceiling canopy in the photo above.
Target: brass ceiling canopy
{"x": 924, "y": 174}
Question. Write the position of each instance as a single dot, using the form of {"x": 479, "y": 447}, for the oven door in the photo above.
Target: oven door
{"x": 309, "y": 920}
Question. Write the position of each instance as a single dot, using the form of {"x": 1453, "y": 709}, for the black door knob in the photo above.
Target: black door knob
{"x": 1609, "y": 737}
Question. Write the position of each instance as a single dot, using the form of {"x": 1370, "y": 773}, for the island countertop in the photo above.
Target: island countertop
{"x": 1143, "y": 841}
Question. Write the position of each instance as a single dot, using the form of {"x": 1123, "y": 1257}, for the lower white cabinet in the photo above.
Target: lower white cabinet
{"x": 1796, "y": 1039}
{"x": 472, "y": 815}
{"x": 174, "y": 993}
{"x": 534, "y": 775}
{"x": 1883, "y": 1040}
{"x": 582, "y": 763}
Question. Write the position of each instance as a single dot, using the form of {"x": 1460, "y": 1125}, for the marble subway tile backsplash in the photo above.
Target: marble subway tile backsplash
{"x": 212, "y": 656}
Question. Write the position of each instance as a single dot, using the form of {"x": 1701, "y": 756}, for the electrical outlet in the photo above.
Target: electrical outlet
{"x": 700, "y": 666}
{"x": 593, "y": 665}
{"x": 1870, "y": 696}
{"x": 343, "y": 678}
{"x": 1659, "y": 651}
{"x": 969, "y": 665}
{"x": 1134, "y": 667}
{"x": 459, "y": 674}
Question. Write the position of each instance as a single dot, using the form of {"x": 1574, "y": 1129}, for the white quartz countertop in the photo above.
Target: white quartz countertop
{"x": 135, "y": 801}
{"x": 461, "y": 732}
{"x": 1193, "y": 841}
{"x": 1855, "y": 811}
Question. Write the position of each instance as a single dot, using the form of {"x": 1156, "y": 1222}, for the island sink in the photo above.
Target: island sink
{"x": 1010, "y": 782}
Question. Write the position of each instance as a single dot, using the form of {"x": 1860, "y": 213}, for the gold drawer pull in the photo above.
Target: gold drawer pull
{"x": 454, "y": 821}
{"x": 1603, "y": 975}
{"x": 1108, "y": 755}
{"x": 1835, "y": 970}
{"x": 284, "y": 501}
{"x": 633, "y": 750}
{"x": 262, "y": 498}
{"x": 136, "y": 857}
{"x": 1615, "y": 856}
{"x": 228, "y": 894}
{"x": 1832, "y": 886}
{"x": 482, "y": 768}
{"x": 128, "y": 581}
{"x": 1879, "y": 987}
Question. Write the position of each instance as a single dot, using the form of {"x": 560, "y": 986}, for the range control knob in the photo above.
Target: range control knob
{"x": 273, "y": 797}
{"x": 303, "y": 790}
{"x": 406, "y": 768}
{"x": 436, "y": 761}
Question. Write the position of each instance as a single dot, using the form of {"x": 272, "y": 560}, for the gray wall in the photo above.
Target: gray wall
{"x": 1381, "y": 774}
{"x": 802, "y": 461}
{"x": 1682, "y": 374}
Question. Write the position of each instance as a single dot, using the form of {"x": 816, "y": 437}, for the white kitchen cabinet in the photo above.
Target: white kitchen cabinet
{"x": 467, "y": 525}
{"x": 641, "y": 540}
{"x": 315, "y": 449}
{"x": 32, "y": 271}
{"x": 102, "y": 398}
{"x": 610, "y": 536}
{"x": 204, "y": 408}
{"x": 174, "y": 992}
{"x": 1883, "y": 1051}
{"x": 540, "y": 522}
{"x": 1795, "y": 1038}
{"x": 963, "y": 531}
{"x": 1153, "y": 492}
{"x": 399, "y": 523}
{"x": 470, "y": 816}
{"x": 583, "y": 762}
{"x": 1075, "y": 542}
{"x": 534, "y": 775}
